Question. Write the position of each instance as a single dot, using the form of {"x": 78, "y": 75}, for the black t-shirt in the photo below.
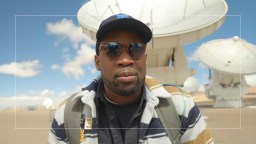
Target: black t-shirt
{"x": 123, "y": 114}
{"x": 120, "y": 124}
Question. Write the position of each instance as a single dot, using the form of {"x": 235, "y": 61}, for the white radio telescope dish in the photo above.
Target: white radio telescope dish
{"x": 229, "y": 61}
{"x": 191, "y": 84}
{"x": 173, "y": 23}
{"x": 233, "y": 55}
{"x": 48, "y": 103}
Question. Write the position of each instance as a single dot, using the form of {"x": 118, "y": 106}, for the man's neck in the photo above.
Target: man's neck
{"x": 122, "y": 100}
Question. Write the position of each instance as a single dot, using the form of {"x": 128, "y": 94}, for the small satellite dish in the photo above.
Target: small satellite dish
{"x": 191, "y": 84}
{"x": 48, "y": 103}
{"x": 229, "y": 60}
{"x": 173, "y": 23}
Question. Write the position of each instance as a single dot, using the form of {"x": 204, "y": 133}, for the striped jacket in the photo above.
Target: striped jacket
{"x": 193, "y": 126}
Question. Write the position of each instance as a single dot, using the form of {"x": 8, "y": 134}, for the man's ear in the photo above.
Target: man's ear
{"x": 97, "y": 62}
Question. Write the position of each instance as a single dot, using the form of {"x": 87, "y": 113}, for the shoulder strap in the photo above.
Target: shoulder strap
{"x": 168, "y": 116}
{"x": 72, "y": 118}
{"x": 166, "y": 110}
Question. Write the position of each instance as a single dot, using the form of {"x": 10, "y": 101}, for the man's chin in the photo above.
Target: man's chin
{"x": 127, "y": 91}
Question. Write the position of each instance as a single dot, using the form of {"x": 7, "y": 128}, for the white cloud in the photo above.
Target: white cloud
{"x": 65, "y": 50}
{"x": 92, "y": 70}
{"x": 22, "y": 101}
{"x": 63, "y": 94}
{"x": 33, "y": 98}
{"x": 74, "y": 67}
{"x": 22, "y": 69}
{"x": 66, "y": 54}
{"x": 67, "y": 29}
{"x": 40, "y": 93}
{"x": 47, "y": 93}
{"x": 193, "y": 57}
{"x": 55, "y": 67}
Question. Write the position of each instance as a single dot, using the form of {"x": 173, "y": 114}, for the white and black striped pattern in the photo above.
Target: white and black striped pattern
{"x": 151, "y": 129}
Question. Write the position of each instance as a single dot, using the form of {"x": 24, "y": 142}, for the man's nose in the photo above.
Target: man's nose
{"x": 124, "y": 59}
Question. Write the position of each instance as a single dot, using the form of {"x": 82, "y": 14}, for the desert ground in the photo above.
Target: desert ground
{"x": 24, "y": 127}
{"x": 227, "y": 125}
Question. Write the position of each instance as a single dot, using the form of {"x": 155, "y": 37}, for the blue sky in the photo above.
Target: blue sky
{"x": 49, "y": 54}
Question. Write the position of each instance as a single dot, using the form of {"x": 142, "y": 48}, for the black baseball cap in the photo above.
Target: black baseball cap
{"x": 123, "y": 22}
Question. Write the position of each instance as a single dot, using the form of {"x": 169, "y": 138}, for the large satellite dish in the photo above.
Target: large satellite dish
{"x": 173, "y": 22}
{"x": 229, "y": 60}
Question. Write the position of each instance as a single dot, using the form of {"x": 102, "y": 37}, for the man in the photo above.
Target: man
{"x": 118, "y": 107}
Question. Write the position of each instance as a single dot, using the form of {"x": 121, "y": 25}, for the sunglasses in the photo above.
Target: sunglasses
{"x": 113, "y": 49}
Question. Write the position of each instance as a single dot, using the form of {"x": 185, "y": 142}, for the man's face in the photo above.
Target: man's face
{"x": 124, "y": 75}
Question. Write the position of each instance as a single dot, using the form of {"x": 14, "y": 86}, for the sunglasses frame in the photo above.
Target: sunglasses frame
{"x": 128, "y": 49}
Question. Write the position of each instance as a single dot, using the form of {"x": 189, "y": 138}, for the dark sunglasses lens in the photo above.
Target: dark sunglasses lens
{"x": 136, "y": 50}
{"x": 112, "y": 49}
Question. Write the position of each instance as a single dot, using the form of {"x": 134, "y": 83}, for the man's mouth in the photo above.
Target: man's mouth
{"x": 126, "y": 76}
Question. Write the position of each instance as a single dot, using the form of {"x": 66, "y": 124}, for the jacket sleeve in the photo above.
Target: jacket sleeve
{"x": 57, "y": 134}
{"x": 193, "y": 126}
